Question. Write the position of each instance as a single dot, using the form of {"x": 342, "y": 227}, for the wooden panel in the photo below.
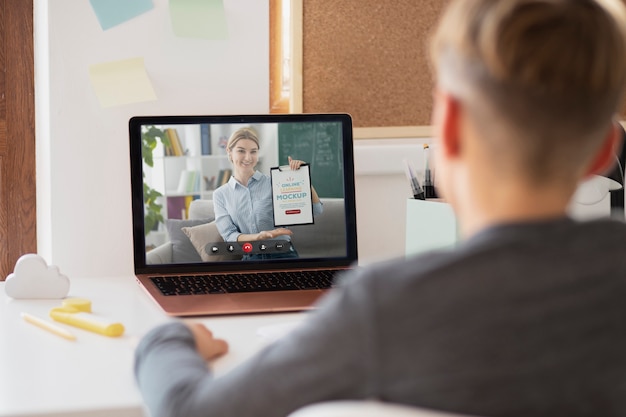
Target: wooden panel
{"x": 278, "y": 103}
{"x": 3, "y": 106}
{"x": 18, "y": 232}
{"x": 4, "y": 238}
{"x": 369, "y": 58}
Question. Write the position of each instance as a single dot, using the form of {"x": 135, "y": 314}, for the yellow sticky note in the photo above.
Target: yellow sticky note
{"x": 121, "y": 82}
{"x": 202, "y": 19}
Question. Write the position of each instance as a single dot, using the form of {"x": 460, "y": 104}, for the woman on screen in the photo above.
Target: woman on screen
{"x": 243, "y": 206}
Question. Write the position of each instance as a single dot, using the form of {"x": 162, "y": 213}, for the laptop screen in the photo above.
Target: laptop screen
{"x": 246, "y": 192}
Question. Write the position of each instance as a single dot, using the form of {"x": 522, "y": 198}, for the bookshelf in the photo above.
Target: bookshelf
{"x": 190, "y": 168}
{"x": 187, "y": 169}
{"x": 188, "y": 178}
{"x": 197, "y": 164}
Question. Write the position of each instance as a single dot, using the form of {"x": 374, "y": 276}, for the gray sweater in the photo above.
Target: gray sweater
{"x": 521, "y": 320}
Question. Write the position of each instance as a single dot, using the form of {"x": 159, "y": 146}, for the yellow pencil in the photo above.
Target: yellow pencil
{"x": 59, "y": 331}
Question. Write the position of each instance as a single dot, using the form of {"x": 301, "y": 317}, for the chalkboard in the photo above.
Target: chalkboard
{"x": 320, "y": 144}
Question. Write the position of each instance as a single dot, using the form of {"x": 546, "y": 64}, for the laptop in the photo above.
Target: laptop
{"x": 188, "y": 255}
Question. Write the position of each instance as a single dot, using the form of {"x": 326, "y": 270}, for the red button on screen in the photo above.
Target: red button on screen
{"x": 247, "y": 247}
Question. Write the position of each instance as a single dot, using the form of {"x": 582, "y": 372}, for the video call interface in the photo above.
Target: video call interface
{"x": 184, "y": 165}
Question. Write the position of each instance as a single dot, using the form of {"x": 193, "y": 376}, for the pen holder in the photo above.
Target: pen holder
{"x": 430, "y": 224}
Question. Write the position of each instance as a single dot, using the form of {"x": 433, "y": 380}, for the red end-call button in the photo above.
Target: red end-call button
{"x": 247, "y": 247}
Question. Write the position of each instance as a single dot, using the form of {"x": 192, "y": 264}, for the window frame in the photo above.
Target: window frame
{"x": 281, "y": 101}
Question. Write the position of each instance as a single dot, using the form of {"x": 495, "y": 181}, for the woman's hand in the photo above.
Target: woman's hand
{"x": 207, "y": 346}
{"x": 295, "y": 164}
{"x": 269, "y": 234}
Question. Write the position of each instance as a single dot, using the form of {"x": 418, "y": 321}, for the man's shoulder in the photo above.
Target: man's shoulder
{"x": 501, "y": 259}
{"x": 400, "y": 273}
{"x": 606, "y": 227}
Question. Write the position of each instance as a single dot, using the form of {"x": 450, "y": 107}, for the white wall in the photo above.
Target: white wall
{"x": 381, "y": 194}
{"x": 84, "y": 208}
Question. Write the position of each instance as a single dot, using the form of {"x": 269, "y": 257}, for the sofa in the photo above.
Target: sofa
{"x": 187, "y": 238}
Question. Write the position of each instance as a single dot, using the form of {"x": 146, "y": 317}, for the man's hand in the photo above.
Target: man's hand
{"x": 208, "y": 347}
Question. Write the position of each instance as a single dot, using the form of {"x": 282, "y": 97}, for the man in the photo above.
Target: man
{"x": 527, "y": 317}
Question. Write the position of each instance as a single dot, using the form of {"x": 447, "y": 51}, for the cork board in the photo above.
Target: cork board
{"x": 370, "y": 59}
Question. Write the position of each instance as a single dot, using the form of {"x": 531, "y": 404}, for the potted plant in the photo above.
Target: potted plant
{"x": 149, "y": 137}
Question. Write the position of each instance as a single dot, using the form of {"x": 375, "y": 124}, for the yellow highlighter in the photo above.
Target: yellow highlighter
{"x": 84, "y": 320}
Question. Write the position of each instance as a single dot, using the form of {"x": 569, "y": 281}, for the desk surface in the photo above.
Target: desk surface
{"x": 42, "y": 374}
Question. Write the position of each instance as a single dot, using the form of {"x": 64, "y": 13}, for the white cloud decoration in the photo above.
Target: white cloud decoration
{"x": 33, "y": 278}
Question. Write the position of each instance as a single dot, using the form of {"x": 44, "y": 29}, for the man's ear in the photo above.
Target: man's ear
{"x": 447, "y": 122}
{"x": 605, "y": 156}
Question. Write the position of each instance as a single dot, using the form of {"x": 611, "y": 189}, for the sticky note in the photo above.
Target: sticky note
{"x": 113, "y": 12}
{"x": 121, "y": 82}
{"x": 202, "y": 19}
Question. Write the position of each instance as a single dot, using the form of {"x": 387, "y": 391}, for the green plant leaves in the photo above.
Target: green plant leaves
{"x": 149, "y": 139}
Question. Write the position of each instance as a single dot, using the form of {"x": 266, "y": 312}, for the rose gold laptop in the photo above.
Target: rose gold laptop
{"x": 182, "y": 260}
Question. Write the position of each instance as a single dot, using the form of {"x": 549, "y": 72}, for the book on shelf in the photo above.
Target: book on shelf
{"x": 169, "y": 150}
{"x": 205, "y": 139}
{"x": 188, "y": 200}
{"x": 193, "y": 184}
{"x": 223, "y": 176}
{"x": 189, "y": 182}
{"x": 182, "y": 182}
{"x": 176, "y": 207}
{"x": 176, "y": 147}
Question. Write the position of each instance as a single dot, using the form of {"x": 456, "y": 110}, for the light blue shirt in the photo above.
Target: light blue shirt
{"x": 246, "y": 210}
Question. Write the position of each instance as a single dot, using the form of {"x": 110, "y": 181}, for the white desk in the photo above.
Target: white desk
{"x": 42, "y": 374}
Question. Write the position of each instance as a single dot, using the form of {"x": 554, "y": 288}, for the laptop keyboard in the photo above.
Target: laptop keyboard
{"x": 244, "y": 282}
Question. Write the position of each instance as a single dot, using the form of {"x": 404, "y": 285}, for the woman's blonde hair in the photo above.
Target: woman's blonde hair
{"x": 243, "y": 133}
{"x": 542, "y": 78}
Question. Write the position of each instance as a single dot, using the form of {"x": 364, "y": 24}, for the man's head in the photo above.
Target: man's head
{"x": 538, "y": 81}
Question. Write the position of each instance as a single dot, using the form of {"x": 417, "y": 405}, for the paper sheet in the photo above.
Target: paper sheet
{"x": 202, "y": 19}
{"x": 121, "y": 82}
{"x": 113, "y": 12}
{"x": 291, "y": 196}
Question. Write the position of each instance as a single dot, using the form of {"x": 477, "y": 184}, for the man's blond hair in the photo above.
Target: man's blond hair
{"x": 541, "y": 79}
